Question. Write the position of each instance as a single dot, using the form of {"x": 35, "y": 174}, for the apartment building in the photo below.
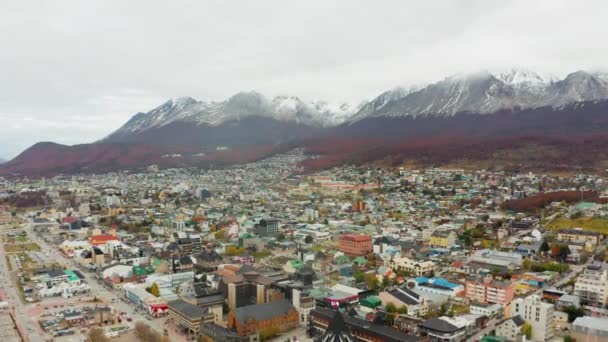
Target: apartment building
{"x": 580, "y": 237}
{"x": 592, "y": 285}
{"x": 443, "y": 238}
{"x": 536, "y": 313}
{"x": 487, "y": 290}
{"x": 355, "y": 245}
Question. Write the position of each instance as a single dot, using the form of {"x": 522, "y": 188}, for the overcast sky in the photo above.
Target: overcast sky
{"x": 73, "y": 71}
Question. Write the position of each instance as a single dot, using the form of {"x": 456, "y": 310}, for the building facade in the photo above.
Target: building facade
{"x": 592, "y": 285}
{"x": 355, "y": 245}
{"x": 487, "y": 290}
{"x": 412, "y": 267}
{"x": 536, "y": 313}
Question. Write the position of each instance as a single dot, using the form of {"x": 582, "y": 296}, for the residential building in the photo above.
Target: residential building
{"x": 592, "y": 285}
{"x": 266, "y": 227}
{"x": 487, "y": 290}
{"x": 511, "y": 328}
{"x": 412, "y": 267}
{"x": 355, "y": 245}
{"x": 536, "y": 313}
{"x": 579, "y": 236}
{"x": 443, "y": 238}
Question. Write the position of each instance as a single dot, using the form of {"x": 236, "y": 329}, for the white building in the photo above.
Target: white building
{"x": 489, "y": 310}
{"x": 169, "y": 281}
{"x": 592, "y": 285}
{"x": 536, "y": 313}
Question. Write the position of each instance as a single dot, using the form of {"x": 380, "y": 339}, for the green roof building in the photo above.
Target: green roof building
{"x": 371, "y": 302}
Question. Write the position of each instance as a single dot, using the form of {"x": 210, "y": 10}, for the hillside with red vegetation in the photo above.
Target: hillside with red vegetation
{"x": 532, "y": 204}
{"x": 48, "y": 159}
{"x": 569, "y": 139}
{"x": 540, "y": 153}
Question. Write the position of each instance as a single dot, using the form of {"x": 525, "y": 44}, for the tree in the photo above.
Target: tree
{"x": 527, "y": 264}
{"x": 386, "y": 281}
{"x": 390, "y": 307}
{"x": 527, "y": 330}
{"x": 568, "y": 338}
{"x": 372, "y": 282}
{"x": 280, "y": 237}
{"x": 544, "y": 247}
{"x": 574, "y": 312}
{"x": 402, "y": 310}
{"x": 308, "y": 239}
{"x": 155, "y": 290}
{"x": 97, "y": 335}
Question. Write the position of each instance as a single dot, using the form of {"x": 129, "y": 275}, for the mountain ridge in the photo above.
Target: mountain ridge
{"x": 481, "y": 106}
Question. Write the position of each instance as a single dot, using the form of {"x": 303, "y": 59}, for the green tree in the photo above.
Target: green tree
{"x": 358, "y": 274}
{"x": 574, "y": 312}
{"x": 544, "y": 247}
{"x": 280, "y": 237}
{"x": 386, "y": 282}
{"x": 402, "y": 310}
{"x": 308, "y": 239}
{"x": 527, "y": 264}
{"x": 390, "y": 307}
{"x": 527, "y": 330}
{"x": 568, "y": 338}
{"x": 155, "y": 290}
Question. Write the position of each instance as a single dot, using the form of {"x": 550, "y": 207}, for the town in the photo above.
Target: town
{"x": 267, "y": 252}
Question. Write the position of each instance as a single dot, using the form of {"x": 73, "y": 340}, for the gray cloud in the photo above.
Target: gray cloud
{"x": 73, "y": 71}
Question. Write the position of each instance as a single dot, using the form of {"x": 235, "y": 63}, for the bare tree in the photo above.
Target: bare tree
{"x": 97, "y": 335}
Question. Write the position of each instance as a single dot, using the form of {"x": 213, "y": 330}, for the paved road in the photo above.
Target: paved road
{"x": 19, "y": 308}
{"x": 97, "y": 289}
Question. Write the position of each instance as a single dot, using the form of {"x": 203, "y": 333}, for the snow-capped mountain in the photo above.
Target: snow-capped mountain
{"x": 238, "y": 107}
{"x": 485, "y": 93}
{"x": 480, "y": 93}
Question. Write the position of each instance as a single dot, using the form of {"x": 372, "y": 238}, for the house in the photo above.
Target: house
{"x": 251, "y": 319}
{"x": 511, "y": 328}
